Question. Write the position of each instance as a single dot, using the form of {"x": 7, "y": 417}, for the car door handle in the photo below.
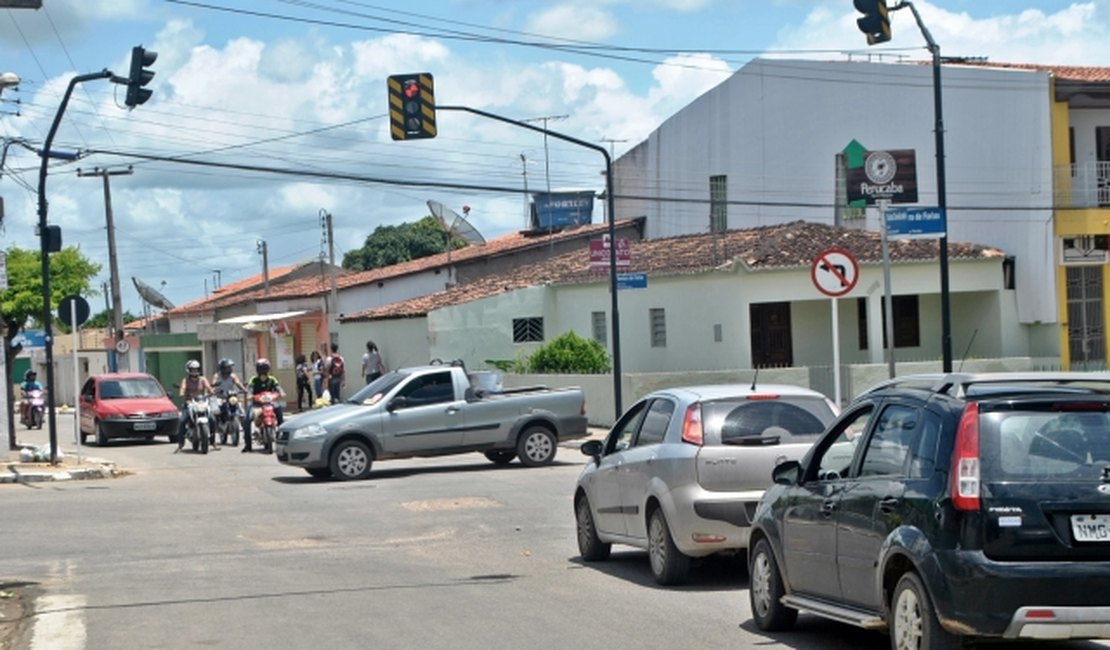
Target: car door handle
{"x": 451, "y": 410}
{"x": 888, "y": 505}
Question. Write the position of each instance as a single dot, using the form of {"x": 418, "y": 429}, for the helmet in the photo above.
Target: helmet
{"x": 262, "y": 365}
{"x": 226, "y": 366}
{"x": 193, "y": 367}
{"x": 29, "y": 375}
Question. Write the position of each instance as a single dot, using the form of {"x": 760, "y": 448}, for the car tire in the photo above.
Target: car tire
{"x": 234, "y": 426}
{"x": 501, "y": 457}
{"x": 318, "y": 472}
{"x": 36, "y": 419}
{"x": 765, "y": 590}
{"x": 536, "y": 446}
{"x": 590, "y": 545}
{"x": 669, "y": 565}
{"x": 351, "y": 460}
{"x": 913, "y": 623}
{"x": 203, "y": 435}
{"x": 101, "y": 438}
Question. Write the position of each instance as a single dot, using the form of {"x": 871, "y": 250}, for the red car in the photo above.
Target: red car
{"x": 126, "y": 405}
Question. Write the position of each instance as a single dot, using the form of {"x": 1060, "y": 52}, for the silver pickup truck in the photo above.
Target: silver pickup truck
{"x": 431, "y": 410}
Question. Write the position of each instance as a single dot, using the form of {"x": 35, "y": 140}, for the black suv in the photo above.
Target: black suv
{"x": 947, "y": 507}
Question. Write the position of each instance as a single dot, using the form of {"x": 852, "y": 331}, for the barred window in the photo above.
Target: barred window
{"x": 600, "y": 327}
{"x": 658, "y": 328}
{"x": 527, "y": 330}
{"x": 718, "y": 203}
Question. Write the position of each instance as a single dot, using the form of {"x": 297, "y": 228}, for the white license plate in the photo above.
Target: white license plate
{"x": 1090, "y": 528}
{"x": 146, "y": 426}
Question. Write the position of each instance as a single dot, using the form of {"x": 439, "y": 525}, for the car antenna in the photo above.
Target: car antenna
{"x": 968, "y": 349}
{"x": 755, "y": 377}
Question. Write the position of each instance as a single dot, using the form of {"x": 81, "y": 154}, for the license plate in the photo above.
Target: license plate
{"x": 1090, "y": 528}
{"x": 146, "y": 426}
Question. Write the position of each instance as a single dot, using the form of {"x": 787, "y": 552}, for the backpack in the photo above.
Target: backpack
{"x": 336, "y": 365}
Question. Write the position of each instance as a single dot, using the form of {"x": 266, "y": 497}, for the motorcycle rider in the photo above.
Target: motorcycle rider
{"x": 29, "y": 384}
{"x": 192, "y": 385}
{"x": 224, "y": 383}
{"x": 261, "y": 383}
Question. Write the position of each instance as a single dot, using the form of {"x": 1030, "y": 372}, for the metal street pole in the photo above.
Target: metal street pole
{"x": 942, "y": 197}
{"x": 612, "y": 218}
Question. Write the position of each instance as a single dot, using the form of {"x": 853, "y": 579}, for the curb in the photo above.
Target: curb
{"x": 19, "y": 472}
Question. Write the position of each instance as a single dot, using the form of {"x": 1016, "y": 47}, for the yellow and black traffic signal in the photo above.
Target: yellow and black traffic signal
{"x": 875, "y": 21}
{"x": 412, "y": 106}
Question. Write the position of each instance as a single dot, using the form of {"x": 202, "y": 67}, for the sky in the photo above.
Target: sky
{"x": 292, "y": 93}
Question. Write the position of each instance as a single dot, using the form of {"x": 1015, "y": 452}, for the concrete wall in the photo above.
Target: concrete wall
{"x": 402, "y": 342}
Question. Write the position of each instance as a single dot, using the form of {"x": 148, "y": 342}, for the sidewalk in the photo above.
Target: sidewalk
{"x": 15, "y": 470}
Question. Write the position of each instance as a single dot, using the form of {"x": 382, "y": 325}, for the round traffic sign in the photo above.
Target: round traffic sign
{"x": 71, "y": 306}
{"x": 835, "y": 272}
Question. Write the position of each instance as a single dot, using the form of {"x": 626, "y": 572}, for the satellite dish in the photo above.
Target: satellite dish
{"x": 151, "y": 295}
{"x": 455, "y": 224}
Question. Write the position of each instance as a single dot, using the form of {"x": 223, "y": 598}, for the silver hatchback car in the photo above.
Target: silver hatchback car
{"x": 682, "y": 470}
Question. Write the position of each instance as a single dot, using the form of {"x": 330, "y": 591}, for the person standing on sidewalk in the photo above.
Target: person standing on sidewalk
{"x": 304, "y": 382}
{"x": 336, "y": 372}
{"x": 372, "y": 366}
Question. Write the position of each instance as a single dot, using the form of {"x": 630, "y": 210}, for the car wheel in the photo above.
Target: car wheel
{"x": 589, "y": 544}
{"x": 536, "y": 446}
{"x": 501, "y": 457}
{"x": 766, "y": 591}
{"x": 101, "y": 438}
{"x": 913, "y": 623}
{"x": 318, "y": 472}
{"x": 669, "y": 565}
{"x": 350, "y": 460}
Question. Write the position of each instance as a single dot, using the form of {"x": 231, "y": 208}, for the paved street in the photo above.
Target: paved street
{"x": 233, "y": 550}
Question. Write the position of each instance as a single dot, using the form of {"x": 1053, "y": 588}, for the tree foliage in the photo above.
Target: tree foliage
{"x": 570, "y": 354}
{"x": 402, "y": 243}
{"x": 105, "y": 318}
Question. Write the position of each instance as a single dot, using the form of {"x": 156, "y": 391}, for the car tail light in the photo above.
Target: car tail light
{"x": 965, "y": 461}
{"x": 691, "y": 426}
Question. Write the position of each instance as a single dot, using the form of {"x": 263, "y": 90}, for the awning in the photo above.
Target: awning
{"x": 261, "y": 318}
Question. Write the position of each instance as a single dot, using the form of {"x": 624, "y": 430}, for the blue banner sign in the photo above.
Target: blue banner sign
{"x": 562, "y": 209}
{"x": 632, "y": 281}
{"x": 30, "y": 339}
{"x": 915, "y": 223}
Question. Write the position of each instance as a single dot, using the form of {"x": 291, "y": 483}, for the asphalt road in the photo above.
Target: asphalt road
{"x": 234, "y": 550}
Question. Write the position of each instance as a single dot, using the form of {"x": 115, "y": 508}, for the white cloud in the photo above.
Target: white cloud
{"x": 583, "y": 22}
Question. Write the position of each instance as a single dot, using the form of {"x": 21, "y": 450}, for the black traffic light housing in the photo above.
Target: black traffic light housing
{"x": 412, "y": 106}
{"x": 875, "y": 21}
{"x": 140, "y": 76}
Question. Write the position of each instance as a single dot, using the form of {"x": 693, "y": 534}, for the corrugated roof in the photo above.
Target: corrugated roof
{"x": 785, "y": 246}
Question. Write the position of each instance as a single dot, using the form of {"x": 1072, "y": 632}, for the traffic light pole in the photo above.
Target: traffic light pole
{"x": 612, "y": 218}
{"x": 45, "y": 253}
{"x": 942, "y": 197}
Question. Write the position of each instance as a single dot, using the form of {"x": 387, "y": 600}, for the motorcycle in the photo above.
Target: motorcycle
{"x": 264, "y": 427}
{"x": 229, "y": 419}
{"x": 198, "y": 429}
{"x": 36, "y": 406}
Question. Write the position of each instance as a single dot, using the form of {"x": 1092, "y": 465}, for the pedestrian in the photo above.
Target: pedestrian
{"x": 317, "y": 373}
{"x": 336, "y": 372}
{"x": 304, "y": 382}
{"x": 372, "y": 365}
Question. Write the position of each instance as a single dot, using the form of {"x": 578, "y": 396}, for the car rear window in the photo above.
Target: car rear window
{"x": 789, "y": 417}
{"x": 1045, "y": 443}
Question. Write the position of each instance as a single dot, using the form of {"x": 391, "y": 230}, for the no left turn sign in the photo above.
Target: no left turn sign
{"x": 835, "y": 272}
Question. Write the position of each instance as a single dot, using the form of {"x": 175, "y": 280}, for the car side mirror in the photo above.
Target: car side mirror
{"x": 593, "y": 448}
{"x": 787, "y": 473}
{"x": 399, "y": 402}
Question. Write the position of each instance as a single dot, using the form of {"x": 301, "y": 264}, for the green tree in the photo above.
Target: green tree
{"x": 402, "y": 243}
{"x": 570, "y": 354}
{"x": 106, "y": 319}
{"x": 21, "y": 303}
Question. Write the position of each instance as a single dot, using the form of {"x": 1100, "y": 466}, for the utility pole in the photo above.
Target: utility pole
{"x": 117, "y": 300}
{"x": 265, "y": 266}
{"x": 325, "y": 221}
{"x": 524, "y": 173}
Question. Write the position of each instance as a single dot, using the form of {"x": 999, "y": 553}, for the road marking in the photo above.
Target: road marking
{"x": 59, "y": 623}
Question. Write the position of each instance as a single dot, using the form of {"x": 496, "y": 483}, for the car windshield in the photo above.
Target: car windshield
{"x": 1045, "y": 443}
{"x": 130, "y": 388}
{"x": 375, "y": 390}
{"x": 788, "y": 417}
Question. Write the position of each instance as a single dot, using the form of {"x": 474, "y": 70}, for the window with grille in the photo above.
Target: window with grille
{"x": 658, "y": 328}
{"x": 718, "y": 203}
{"x": 600, "y": 327}
{"x": 527, "y": 330}
{"x": 907, "y": 321}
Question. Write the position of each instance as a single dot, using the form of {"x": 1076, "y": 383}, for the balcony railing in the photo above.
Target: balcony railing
{"x": 1083, "y": 185}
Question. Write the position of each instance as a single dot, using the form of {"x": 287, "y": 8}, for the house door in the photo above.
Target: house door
{"x": 1086, "y": 329}
{"x": 771, "y": 343}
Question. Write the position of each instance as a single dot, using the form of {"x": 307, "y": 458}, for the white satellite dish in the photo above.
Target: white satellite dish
{"x": 458, "y": 226}
{"x": 151, "y": 295}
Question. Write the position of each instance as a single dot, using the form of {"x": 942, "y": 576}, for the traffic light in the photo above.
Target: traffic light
{"x": 875, "y": 22}
{"x": 412, "y": 106}
{"x": 140, "y": 76}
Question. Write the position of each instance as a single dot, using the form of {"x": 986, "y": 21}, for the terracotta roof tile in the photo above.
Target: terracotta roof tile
{"x": 790, "y": 245}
